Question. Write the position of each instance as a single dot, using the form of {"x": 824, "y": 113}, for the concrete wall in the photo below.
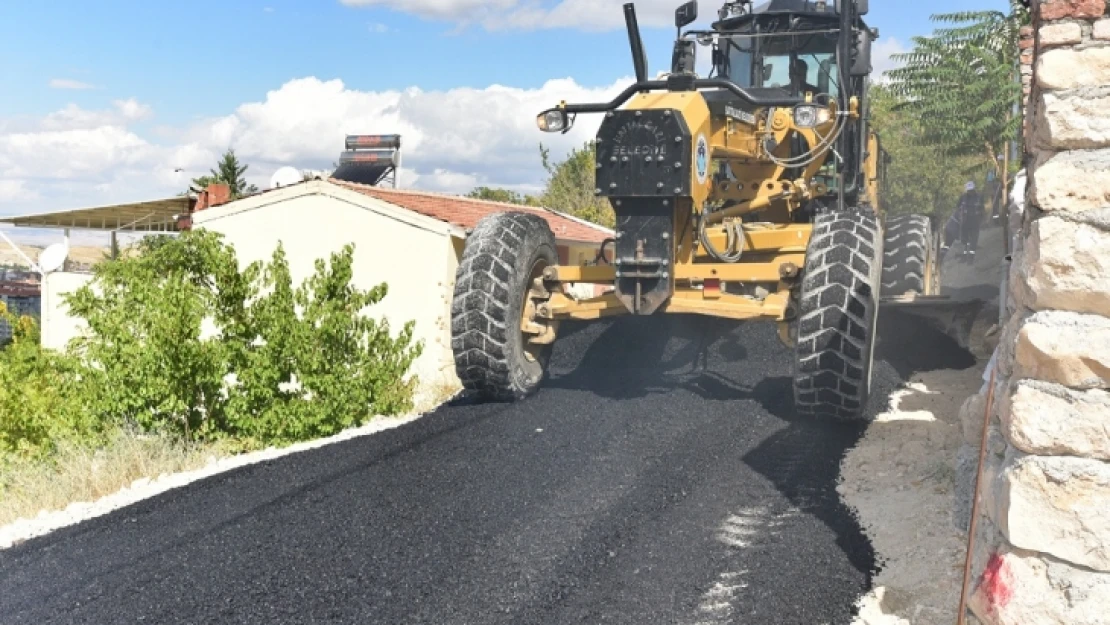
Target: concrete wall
{"x": 414, "y": 256}
{"x": 1042, "y": 550}
{"x": 58, "y": 327}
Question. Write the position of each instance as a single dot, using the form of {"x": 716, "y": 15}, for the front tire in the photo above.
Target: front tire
{"x": 501, "y": 258}
{"x": 837, "y": 316}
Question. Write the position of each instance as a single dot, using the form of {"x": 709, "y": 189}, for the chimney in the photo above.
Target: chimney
{"x": 216, "y": 194}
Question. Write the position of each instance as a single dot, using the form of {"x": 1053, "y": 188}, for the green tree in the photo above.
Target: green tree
{"x": 494, "y": 194}
{"x": 920, "y": 178}
{"x": 231, "y": 172}
{"x": 964, "y": 84}
{"x": 571, "y": 185}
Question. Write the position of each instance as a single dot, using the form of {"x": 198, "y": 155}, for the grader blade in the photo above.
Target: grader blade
{"x": 952, "y": 317}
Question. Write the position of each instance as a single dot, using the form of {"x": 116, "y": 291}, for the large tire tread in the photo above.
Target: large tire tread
{"x": 490, "y": 285}
{"x": 908, "y": 252}
{"x": 837, "y": 316}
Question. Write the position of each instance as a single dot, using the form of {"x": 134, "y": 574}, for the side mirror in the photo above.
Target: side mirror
{"x": 686, "y": 14}
{"x": 684, "y": 59}
{"x": 861, "y": 59}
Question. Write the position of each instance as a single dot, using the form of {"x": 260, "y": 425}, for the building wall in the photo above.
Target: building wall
{"x": 416, "y": 262}
{"x": 58, "y": 327}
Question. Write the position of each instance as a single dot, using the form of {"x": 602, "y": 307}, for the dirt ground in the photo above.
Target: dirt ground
{"x": 81, "y": 255}
{"x": 900, "y": 479}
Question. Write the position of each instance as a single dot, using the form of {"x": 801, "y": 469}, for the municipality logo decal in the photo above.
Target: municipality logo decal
{"x": 702, "y": 158}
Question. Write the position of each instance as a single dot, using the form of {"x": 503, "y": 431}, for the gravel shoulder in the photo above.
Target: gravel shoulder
{"x": 900, "y": 478}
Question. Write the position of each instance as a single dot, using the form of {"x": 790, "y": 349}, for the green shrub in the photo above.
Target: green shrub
{"x": 320, "y": 365}
{"x": 39, "y": 404}
{"x": 182, "y": 339}
{"x": 146, "y": 359}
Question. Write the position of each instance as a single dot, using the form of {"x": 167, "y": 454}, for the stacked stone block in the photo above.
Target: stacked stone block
{"x": 1042, "y": 552}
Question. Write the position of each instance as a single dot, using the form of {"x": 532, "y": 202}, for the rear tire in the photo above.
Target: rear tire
{"x": 837, "y": 316}
{"x": 502, "y": 256}
{"x": 909, "y": 257}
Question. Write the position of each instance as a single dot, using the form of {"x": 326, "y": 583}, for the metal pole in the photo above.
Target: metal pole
{"x": 844, "y": 51}
{"x": 961, "y": 616}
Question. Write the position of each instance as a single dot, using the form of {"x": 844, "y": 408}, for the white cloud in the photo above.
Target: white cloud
{"x": 16, "y": 190}
{"x": 455, "y": 138}
{"x": 75, "y": 157}
{"x": 378, "y": 28}
{"x": 881, "y": 53}
{"x": 453, "y": 141}
{"x": 530, "y": 14}
{"x": 66, "y": 83}
{"x": 73, "y": 117}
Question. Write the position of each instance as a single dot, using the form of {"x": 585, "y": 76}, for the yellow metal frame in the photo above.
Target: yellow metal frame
{"x": 684, "y": 301}
{"x": 774, "y": 255}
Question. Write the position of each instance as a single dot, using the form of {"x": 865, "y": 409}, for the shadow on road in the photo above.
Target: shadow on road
{"x": 713, "y": 358}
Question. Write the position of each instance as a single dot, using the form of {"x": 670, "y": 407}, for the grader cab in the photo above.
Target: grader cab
{"x": 754, "y": 193}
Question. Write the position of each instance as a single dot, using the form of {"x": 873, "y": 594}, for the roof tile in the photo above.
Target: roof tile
{"x": 467, "y": 212}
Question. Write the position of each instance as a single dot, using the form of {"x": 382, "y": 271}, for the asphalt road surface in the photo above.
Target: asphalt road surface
{"x": 659, "y": 477}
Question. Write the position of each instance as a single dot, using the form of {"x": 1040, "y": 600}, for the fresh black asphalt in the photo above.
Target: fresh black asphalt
{"x": 658, "y": 477}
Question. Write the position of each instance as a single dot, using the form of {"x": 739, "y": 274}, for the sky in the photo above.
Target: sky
{"x": 125, "y": 100}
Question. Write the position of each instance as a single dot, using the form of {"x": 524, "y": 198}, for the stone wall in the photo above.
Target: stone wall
{"x": 1042, "y": 552}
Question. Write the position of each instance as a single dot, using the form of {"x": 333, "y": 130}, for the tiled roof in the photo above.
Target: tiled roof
{"x": 466, "y": 212}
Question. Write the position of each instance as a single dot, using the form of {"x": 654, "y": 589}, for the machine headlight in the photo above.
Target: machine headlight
{"x": 554, "y": 120}
{"x": 805, "y": 116}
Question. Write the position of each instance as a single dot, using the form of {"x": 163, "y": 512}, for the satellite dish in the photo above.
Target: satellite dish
{"x": 53, "y": 258}
{"x": 285, "y": 177}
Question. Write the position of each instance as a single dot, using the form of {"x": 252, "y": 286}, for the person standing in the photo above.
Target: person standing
{"x": 970, "y": 210}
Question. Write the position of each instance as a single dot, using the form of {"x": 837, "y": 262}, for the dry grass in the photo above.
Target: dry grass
{"x": 81, "y": 474}
{"x": 83, "y": 255}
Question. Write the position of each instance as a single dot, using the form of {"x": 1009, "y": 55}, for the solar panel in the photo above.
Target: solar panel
{"x": 369, "y": 159}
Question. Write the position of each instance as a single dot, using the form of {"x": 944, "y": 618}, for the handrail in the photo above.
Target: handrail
{"x": 700, "y": 83}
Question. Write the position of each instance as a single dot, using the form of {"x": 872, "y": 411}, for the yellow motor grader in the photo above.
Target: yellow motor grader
{"x": 755, "y": 193}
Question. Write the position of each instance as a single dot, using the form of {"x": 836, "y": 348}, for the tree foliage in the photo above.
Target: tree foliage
{"x": 181, "y": 338}
{"x": 506, "y": 196}
{"x": 39, "y": 401}
{"x": 231, "y": 172}
{"x": 571, "y": 185}
{"x": 963, "y": 83}
{"x": 921, "y": 178}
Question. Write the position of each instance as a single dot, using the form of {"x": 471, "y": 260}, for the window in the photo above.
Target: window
{"x": 767, "y": 61}
{"x": 740, "y": 62}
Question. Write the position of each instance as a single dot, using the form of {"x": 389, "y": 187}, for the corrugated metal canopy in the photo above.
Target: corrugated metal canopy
{"x": 149, "y": 216}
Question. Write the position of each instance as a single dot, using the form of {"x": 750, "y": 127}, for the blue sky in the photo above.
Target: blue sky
{"x": 114, "y": 95}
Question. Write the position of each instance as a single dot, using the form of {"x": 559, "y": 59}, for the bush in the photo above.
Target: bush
{"x": 329, "y": 367}
{"x": 146, "y": 359}
{"x": 39, "y": 403}
{"x": 183, "y": 340}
